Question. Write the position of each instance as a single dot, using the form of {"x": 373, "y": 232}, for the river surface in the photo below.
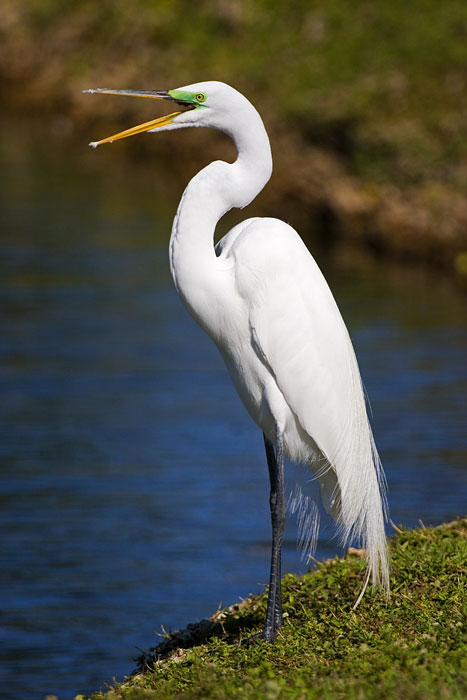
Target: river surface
{"x": 134, "y": 489}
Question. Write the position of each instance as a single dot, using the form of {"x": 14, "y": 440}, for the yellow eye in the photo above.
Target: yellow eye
{"x": 200, "y": 97}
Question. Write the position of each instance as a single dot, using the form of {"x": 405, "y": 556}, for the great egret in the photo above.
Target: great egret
{"x": 262, "y": 299}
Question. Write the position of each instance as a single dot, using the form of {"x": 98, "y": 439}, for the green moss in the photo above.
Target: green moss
{"x": 410, "y": 648}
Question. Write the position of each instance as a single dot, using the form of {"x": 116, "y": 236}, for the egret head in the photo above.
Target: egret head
{"x": 209, "y": 103}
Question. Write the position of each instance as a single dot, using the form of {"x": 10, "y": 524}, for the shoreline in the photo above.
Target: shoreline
{"x": 408, "y": 647}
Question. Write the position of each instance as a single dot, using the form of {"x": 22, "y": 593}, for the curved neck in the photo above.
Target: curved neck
{"x": 209, "y": 195}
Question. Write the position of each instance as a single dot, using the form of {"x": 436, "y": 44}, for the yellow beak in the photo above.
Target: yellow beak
{"x": 147, "y": 126}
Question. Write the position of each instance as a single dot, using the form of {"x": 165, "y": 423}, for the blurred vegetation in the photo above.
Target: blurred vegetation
{"x": 373, "y": 93}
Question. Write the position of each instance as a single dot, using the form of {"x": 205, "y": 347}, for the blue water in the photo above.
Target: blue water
{"x": 134, "y": 491}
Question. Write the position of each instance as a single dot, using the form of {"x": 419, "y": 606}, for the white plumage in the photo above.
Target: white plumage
{"x": 261, "y": 297}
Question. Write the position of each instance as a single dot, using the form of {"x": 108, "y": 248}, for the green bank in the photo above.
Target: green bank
{"x": 413, "y": 647}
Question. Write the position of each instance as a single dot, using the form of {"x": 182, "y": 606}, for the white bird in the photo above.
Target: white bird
{"x": 261, "y": 297}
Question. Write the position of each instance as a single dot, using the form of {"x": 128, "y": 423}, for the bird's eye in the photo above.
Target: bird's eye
{"x": 200, "y": 97}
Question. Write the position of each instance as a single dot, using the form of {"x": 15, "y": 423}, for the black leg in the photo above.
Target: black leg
{"x": 278, "y": 513}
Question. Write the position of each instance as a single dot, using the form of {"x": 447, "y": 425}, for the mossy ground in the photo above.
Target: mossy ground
{"x": 413, "y": 647}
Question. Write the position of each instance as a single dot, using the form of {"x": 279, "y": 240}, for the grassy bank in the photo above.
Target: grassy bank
{"x": 366, "y": 101}
{"x": 413, "y": 647}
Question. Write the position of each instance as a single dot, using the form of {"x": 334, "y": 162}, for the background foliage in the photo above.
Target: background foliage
{"x": 372, "y": 93}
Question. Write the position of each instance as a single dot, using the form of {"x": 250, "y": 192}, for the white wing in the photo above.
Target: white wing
{"x": 299, "y": 332}
{"x": 296, "y": 324}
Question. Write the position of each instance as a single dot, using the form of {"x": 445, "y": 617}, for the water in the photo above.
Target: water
{"x": 133, "y": 485}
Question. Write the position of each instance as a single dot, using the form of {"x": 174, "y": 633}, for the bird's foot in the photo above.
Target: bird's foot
{"x": 256, "y": 638}
{"x": 267, "y": 635}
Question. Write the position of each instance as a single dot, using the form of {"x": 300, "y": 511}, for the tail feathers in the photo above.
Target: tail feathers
{"x": 360, "y": 485}
{"x": 363, "y": 514}
{"x": 307, "y": 520}
{"x": 358, "y": 505}
{"x": 345, "y": 462}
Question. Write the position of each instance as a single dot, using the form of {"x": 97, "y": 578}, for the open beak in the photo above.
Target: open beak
{"x": 147, "y": 126}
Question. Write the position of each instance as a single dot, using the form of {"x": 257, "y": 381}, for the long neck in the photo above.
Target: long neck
{"x": 210, "y": 194}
